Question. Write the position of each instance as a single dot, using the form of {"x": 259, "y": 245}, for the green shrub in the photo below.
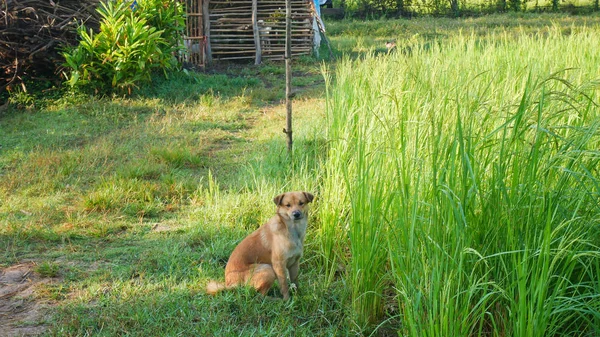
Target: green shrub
{"x": 166, "y": 16}
{"x": 130, "y": 45}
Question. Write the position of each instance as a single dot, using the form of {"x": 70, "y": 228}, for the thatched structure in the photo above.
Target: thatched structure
{"x": 246, "y": 29}
{"x": 32, "y": 33}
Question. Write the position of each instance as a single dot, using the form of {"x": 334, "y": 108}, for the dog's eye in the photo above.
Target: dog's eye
{"x": 301, "y": 203}
{"x": 288, "y": 205}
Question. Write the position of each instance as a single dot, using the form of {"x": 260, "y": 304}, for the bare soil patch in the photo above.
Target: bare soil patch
{"x": 21, "y": 311}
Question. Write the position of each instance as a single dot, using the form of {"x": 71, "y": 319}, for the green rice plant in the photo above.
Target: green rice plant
{"x": 333, "y": 214}
{"x": 468, "y": 177}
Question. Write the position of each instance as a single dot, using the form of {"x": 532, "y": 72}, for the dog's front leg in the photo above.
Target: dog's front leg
{"x": 294, "y": 273}
{"x": 280, "y": 271}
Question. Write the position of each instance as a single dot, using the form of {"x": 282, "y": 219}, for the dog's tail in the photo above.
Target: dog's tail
{"x": 213, "y": 287}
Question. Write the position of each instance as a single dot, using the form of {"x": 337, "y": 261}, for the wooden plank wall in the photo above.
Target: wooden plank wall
{"x": 235, "y": 23}
{"x": 194, "y": 39}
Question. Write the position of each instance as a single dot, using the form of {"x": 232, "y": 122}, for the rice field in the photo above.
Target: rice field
{"x": 463, "y": 177}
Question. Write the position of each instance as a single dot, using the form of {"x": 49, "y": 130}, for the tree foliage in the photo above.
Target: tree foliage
{"x": 366, "y": 8}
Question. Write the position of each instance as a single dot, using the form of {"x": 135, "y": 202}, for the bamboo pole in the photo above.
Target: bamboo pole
{"x": 206, "y": 16}
{"x": 257, "y": 46}
{"x": 288, "y": 73}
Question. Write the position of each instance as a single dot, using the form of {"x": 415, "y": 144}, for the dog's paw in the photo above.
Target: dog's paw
{"x": 294, "y": 290}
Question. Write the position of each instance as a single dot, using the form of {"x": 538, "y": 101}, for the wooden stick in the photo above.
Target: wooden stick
{"x": 256, "y": 32}
{"x": 281, "y": 57}
{"x": 236, "y": 58}
{"x": 295, "y": 49}
{"x": 242, "y": 52}
{"x": 321, "y": 30}
{"x": 206, "y": 14}
{"x": 230, "y": 11}
{"x": 288, "y": 73}
{"x": 239, "y": 39}
{"x": 216, "y": 47}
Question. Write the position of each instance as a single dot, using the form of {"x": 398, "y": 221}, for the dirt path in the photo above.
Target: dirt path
{"x": 21, "y": 311}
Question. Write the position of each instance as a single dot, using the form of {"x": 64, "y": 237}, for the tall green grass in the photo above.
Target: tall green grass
{"x": 462, "y": 185}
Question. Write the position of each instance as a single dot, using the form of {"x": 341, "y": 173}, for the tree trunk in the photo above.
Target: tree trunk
{"x": 454, "y": 7}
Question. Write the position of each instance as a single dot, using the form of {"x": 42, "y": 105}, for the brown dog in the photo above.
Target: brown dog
{"x": 272, "y": 250}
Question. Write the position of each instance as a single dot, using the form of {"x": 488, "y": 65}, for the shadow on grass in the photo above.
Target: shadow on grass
{"x": 190, "y": 86}
{"x": 161, "y": 292}
{"x": 153, "y": 284}
{"x": 257, "y": 84}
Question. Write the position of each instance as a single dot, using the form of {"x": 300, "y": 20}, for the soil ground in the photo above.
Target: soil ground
{"x": 21, "y": 313}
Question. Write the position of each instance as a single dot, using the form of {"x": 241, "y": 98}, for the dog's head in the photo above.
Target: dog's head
{"x": 293, "y": 205}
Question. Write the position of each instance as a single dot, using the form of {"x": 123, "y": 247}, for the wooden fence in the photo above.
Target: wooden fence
{"x": 245, "y": 30}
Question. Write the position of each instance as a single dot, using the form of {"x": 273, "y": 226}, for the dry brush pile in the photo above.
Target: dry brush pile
{"x": 32, "y": 33}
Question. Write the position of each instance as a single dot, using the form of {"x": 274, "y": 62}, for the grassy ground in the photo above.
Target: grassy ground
{"x": 133, "y": 204}
{"x": 128, "y": 206}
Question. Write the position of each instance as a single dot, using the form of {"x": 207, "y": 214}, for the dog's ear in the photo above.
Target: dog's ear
{"x": 309, "y": 196}
{"x": 277, "y": 199}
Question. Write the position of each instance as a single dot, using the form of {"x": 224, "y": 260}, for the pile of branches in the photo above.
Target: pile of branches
{"x": 34, "y": 32}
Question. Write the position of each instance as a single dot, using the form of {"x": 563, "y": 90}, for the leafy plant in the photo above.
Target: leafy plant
{"x": 166, "y": 16}
{"x": 20, "y": 98}
{"x": 127, "y": 48}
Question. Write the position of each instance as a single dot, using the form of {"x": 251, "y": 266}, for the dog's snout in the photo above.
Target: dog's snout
{"x": 297, "y": 214}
